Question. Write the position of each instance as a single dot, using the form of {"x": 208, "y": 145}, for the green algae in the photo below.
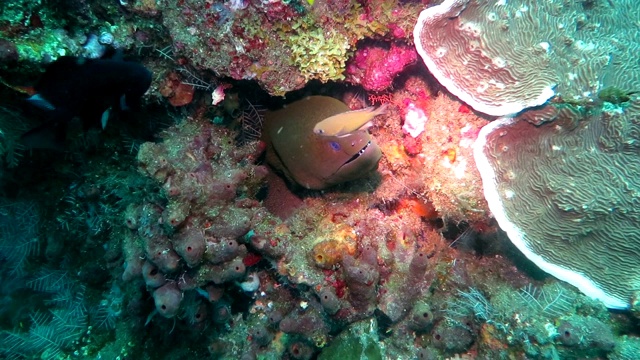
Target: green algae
{"x": 614, "y": 95}
{"x": 359, "y": 341}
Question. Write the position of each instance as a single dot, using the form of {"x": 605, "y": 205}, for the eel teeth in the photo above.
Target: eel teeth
{"x": 359, "y": 153}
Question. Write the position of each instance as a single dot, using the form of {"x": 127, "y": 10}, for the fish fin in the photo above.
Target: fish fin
{"x": 150, "y": 316}
{"x": 105, "y": 118}
{"x": 382, "y": 109}
{"x": 123, "y": 103}
{"x": 40, "y": 102}
{"x": 366, "y": 126}
{"x": 50, "y": 135}
{"x": 323, "y": 128}
{"x": 112, "y": 53}
{"x": 29, "y": 90}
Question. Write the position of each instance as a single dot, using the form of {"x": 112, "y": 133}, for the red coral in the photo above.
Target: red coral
{"x": 239, "y": 66}
{"x": 251, "y": 259}
{"x": 375, "y": 66}
{"x": 278, "y": 11}
{"x": 397, "y": 31}
{"x": 412, "y": 146}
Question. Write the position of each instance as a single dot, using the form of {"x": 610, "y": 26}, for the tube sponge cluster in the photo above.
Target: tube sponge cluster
{"x": 362, "y": 277}
{"x": 187, "y": 246}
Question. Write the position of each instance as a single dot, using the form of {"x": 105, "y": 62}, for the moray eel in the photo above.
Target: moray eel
{"x": 311, "y": 160}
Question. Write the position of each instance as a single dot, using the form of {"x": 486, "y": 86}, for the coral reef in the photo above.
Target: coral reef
{"x": 41, "y": 31}
{"x": 436, "y": 166}
{"x": 300, "y": 42}
{"x": 190, "y": 242}
{"x": 168, "y": 234}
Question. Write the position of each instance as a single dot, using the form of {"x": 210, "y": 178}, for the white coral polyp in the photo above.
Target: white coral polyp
{"x": 414, "y": 121}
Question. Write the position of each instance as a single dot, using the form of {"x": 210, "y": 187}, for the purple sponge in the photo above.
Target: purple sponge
{"x": 421, "y": 317}
{"x": 362, "y": 277}
{"x": 222, "y": 273}
{"x": 152, "y": 276}
{"x": 189, "y": 244}
{"x": 329, "y": 300}
{"x": 261, "y": 336}
{"x": 220, "y": 250}
{"x": 132, "y": 269}
{"x": 168, "y": 299}
{"x": 309, "y": 323}
{"x": 160, "y": 252}
{"x": 273, "y": 248}
{"x": 300, "y": 350}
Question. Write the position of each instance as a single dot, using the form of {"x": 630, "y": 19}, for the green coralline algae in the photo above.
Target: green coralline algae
{"x": 614, "y": 95}
{"x": 360, "y": 341}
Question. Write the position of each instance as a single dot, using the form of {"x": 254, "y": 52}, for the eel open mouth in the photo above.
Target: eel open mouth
{"x": 359, "y": 153}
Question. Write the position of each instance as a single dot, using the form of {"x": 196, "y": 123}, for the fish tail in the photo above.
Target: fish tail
{"x": 381, "y": 110}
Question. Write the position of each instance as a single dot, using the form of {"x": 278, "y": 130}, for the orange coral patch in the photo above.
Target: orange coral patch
{"x": 420, "y": 207}
{"x": 450, "y": 154}
{"x": 327, "y": 254}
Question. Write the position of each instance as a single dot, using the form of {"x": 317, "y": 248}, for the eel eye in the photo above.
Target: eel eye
{"x": 335, "y": 146}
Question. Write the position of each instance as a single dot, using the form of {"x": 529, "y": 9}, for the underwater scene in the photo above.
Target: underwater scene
{"x": 320, "y": 179}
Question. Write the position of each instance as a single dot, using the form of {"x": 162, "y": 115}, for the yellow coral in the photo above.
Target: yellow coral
{"x": 320, "y": 55}
{"x": 328, "y": 252}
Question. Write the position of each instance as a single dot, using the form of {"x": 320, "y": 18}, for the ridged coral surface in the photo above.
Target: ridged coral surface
{"x": 566, "y": 193}
{"x": 501, "y": 57}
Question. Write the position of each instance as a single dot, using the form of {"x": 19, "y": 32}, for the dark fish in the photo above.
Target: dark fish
{"x": 90, "y": 89}
{"x": 312, "y": 160}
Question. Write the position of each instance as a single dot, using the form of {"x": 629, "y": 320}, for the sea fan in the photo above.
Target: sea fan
{"x": 50, "y": 281}
{"x": 470, "y": 303}
{"x": 251, "y": 119}
{"x": 12, "y": 126}
{"x": 18, "y": 234}
{"x": 551, "y": 300}
{"x": 49, "y": 334}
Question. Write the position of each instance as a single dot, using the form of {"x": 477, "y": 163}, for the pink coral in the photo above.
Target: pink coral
{"x": 375, "y": 66}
